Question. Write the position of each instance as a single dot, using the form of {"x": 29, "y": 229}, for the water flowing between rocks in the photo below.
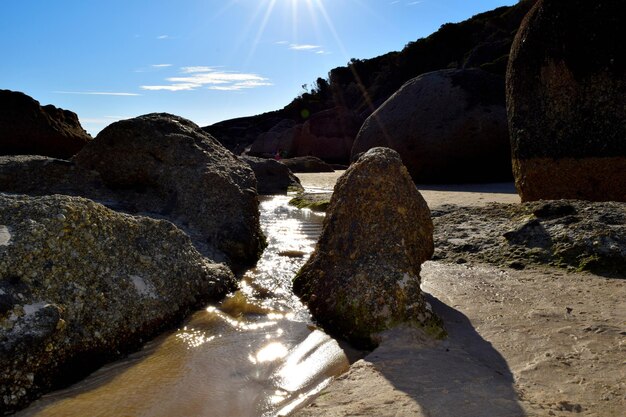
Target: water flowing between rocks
{"x": 255, "y": 354}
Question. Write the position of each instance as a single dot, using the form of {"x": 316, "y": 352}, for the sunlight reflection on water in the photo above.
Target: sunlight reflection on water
{"x": 256, "y": 353}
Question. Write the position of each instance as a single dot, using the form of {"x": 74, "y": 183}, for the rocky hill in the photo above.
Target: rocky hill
{"x": 482, "y": 41}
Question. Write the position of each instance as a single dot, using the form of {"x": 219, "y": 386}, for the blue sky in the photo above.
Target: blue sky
{"x": 206, "y": 60}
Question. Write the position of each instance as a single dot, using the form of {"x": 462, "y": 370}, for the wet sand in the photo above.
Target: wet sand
{"x": 537, "y": 342}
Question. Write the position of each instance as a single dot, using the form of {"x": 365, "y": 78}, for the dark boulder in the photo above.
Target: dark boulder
{"x": 307, "y": 164}
{"x": 448, "y": 126}
{"x": 167, "y": 166}
{"x": 566, "y": 99}
{"x": 363, "y": 276}
{"x": 81, "y": 284}
{"x": 26, "y": 128}
{"x": 272, "y": 176}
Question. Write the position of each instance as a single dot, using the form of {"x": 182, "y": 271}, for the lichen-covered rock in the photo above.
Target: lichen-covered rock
{"x": 580, "y": 235}
{"x": 566, "y": 101}
{"x": 306, "y": 164}
{"x": 272, "y": 176}
{"x": 448, "y": 126}
{"x": 26, "y": 128}
{"x": 166, "y": 165}
{"x": 80, "y": 283}
{"x": 364, "y": 274}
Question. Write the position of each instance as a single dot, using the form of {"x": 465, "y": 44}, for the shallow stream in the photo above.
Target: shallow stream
{"x": 255, "y": 354}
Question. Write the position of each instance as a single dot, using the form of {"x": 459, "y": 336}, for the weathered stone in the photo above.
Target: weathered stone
{"x": 26, "y": 128}
{"x": 272, "y": 176}
{"x": 448, "y": 126}
{"x": 364, "y": 274}
{"x": 81, "y": 284}
{"x": 167, "y": 166}
{"x": 40, "y": 175}
{"x": 566, "y": 101}
{"x": 574, "y": 234}
{"x": 306, "y": 164}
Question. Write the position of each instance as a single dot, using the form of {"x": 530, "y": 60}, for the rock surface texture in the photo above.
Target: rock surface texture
{"x": 81, "y": 283}
{"x": 26, "y": 128}
{"x": 41, "y": 175}
{"x": 364, "y": 274}
{"x": 566, "y": 99}
{"x": 166, "y": 165}
{"x": 272, "y": 176}
{"x": 578, "y": 235}
{"x": 448, "y": 126}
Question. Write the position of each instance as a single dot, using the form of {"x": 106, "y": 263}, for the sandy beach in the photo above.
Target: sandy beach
{"x": 538, "y": 342}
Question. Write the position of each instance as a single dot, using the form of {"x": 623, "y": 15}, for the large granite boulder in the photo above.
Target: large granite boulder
{"x": 566, "y": 99}
{"x": 167, "y": 166}
{"x": 26, "y": 128}
{"x": 307, "y": 164}
{"x": 328, "y": 135}
{"x": 272, "y": 176}
{"x": 80, "y": 284}
{"x": 448, "y": 126}
{"x": 364, "y": 274}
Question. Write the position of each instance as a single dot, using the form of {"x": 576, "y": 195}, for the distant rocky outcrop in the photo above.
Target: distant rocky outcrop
{"x": 579, "y": 235}
{"x": 167, "y": 166}
{"x": 364, "y": 274}
{"x": 272, "y": 176}
{"x": 81, "y": 284}
{"x": 566, "y": 97}
{"x": 306, "y": 164}
{"x": 26, "y": 128}
{"x": 448, "y": 126}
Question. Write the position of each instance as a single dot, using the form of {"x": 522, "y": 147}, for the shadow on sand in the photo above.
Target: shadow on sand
{"x": 461, "y": 376}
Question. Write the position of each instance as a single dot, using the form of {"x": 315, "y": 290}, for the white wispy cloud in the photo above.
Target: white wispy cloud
{"x": 306, "y": 47}
{"x": 303, "y": 47}
{"x": 163, "y": 36}
{"x": 161, "y": 65}
{"x": 98, "y": 93}
{"x": 191, "y": 70}
{"x": 413, "y": 3}
{"x": 210, "y": 78}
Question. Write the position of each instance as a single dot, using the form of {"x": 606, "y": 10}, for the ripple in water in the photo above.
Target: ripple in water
{"x": 255, "y": 354}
